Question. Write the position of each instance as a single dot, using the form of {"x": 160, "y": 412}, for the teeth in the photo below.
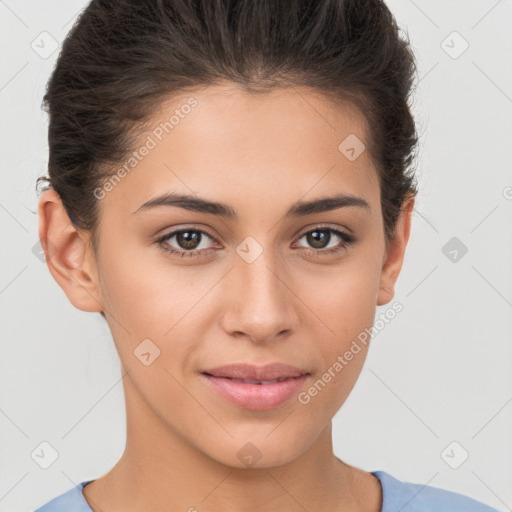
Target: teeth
{"x": 263, "y": 382}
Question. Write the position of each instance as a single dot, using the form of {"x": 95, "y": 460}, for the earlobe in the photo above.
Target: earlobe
{"x": 395, "y": 253}
{"x": 68, "y": 254}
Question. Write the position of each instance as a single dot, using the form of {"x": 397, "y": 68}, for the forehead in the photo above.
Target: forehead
{"x": 221, "y": 142}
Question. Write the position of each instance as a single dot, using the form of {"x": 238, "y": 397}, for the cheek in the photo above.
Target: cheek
{"x": 345, "y": 299}
{"x": 145, "y": 298}
{"x": 134, "y": 287}
{"x": 329, "y": 391}
{"x": 345, "y": 302}
{"x": 348, "y": 312}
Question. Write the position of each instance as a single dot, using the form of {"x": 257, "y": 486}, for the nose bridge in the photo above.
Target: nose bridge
{"x": 260, "y": 303}
{"x": 259, "y": 275}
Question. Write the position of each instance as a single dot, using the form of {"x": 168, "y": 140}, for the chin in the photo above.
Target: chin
{"x": 259, "y": 452}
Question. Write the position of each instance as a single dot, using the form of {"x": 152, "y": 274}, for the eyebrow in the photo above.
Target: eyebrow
{"x": 298, "y": 209}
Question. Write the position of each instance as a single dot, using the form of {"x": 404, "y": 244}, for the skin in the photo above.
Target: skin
{"x": 259, "y": 154}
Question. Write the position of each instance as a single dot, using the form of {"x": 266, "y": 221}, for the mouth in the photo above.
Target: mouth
{"x": 250, "y": 372}
{"x": 255, "y": 394}
{"x": 253, "y": 381}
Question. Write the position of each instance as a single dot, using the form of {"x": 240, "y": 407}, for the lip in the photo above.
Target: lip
{"x": 250, "y": 371}
{"x": 256, "y": 396}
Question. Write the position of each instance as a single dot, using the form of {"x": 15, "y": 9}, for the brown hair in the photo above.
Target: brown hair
{"x": 122, "y": 58}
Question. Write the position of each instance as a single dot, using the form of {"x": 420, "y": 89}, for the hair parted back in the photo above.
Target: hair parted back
{"x": 123, "y": 58}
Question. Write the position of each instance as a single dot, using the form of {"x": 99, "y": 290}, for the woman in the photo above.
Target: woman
{"x": 231, "y": 188}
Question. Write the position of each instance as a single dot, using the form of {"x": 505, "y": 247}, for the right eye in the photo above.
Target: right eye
{"x": 187, "y": 241}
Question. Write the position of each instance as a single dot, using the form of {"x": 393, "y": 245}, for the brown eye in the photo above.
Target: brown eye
{"x": 188, "y": 242}
{"x": 319, "y": 239}
{"x": 188, "y": 239}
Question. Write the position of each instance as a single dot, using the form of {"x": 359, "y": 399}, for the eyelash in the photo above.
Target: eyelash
{"x": 347, "y": 240}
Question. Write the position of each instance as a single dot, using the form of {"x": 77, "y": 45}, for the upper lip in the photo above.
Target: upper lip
{"x": 249, "y": 371}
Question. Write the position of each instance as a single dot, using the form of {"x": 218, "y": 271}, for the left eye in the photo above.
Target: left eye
{"x": 189, "y": 241}
{"x": 319, "y": 236}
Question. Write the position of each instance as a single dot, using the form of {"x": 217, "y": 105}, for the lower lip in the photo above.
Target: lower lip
{"x": 257, "y": 397}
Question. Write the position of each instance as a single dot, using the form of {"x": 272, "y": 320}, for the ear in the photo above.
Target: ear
{"x": 68, "y": 254}
{"x": 395, "y": 251}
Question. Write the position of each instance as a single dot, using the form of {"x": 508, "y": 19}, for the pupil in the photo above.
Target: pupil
{"x": 318, "y": 238}
{"x": 188, "y": 239}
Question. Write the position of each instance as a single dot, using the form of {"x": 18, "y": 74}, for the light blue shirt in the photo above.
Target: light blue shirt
{"x": 397, "y": 495}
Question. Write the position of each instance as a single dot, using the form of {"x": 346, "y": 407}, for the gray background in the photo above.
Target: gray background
{"x": 439, "y": 373}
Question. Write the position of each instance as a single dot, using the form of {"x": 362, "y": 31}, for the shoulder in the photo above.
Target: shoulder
{"x": 70, "y": 500}
{"x": 412, "y": 497}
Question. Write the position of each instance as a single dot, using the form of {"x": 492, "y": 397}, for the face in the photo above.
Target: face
{"x": 263, "y": 279}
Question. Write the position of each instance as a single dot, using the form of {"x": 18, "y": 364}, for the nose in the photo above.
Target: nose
{"x": 259, "y": 301}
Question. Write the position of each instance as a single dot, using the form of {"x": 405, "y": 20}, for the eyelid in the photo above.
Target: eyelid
{"x": 344, "y": 234}
{"x": 191, "y": 227}
{"x": 210, "y": 233}
{"x": 320, "y": 225}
